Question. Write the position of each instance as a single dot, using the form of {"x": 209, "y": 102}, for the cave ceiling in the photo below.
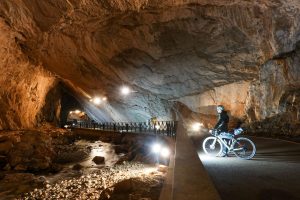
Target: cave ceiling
{"x": 169, "y": 49}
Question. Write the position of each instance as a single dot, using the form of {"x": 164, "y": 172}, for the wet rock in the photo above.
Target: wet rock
{"x": 68, "y": 155}
{"x": 149, "y": 159}
{"x": 99, "y": 160}
{"x": 77, "y": 167}
{"x": 21, "y": 167}
{"x": 55, "y": 168}
{"x": 40, "y": 181}
{"x": 33, "y": 151}
{"x": 108, "y": 183}
{"x": 89, "y": 148}
{"x": 106, "y": 194}
{"x": 7, "y": 167}
{"x": 19, "y": 177}
{"x": 122, "y": 160}
{"x": 120, "y": 149}
{"x": 106, "y": 139}
{"x": 162, "y": 168}
{"x": 40, "y": 163}
{"x": 3, "y": 161}
{"x": 135, "y": 196}
{"x": 3, "y": 138}
{"x": 117, "y": 140}
{"x": 5, "y": 147}
{"x": 124, "y": 186}
{"x": 2, "y": 175}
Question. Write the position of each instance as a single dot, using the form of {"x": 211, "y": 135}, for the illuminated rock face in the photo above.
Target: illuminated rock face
{"x": 200, "y": 53}
{"x": 24, "y": 87}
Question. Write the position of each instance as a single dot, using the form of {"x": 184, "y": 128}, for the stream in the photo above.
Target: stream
{"x": 17, "y": 183}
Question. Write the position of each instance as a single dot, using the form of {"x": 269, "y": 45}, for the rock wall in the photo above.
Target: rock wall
{"x": 232, "y": 96}
{"x": 24, "y": 87}
{"x": 273, "y": 105}
{"x": 238, "y": 53}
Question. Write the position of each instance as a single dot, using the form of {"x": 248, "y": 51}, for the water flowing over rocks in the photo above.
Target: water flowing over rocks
{"x": 109, "y": 183}
{"x": 56, "y": 163}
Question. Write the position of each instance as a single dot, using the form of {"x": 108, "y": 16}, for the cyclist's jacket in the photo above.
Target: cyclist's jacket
{"x": 222, "y": 124}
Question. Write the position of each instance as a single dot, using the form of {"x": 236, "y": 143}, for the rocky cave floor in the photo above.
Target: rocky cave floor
{"x": 56, "y": 164}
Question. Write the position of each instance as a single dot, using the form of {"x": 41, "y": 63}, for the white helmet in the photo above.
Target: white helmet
{"x": 220, "y": 108}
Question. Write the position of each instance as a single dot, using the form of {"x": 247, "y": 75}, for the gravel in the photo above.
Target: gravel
{"x": 90, "y": 186}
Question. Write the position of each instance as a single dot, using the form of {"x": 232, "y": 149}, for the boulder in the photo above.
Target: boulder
{"x": 120, "y": 149}
{"x": 33, "y": 151}
{"x": 77, "y": 167}
{"x": 55, "y": 168}
{"x": 106, "y": 194}
{"x": 99, "y": 160}
{"x": 39, "y": 163}
{"x": 124, "y": 186}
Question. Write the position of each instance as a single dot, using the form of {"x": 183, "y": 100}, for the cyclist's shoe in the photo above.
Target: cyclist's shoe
{"x": 224, "y": 154}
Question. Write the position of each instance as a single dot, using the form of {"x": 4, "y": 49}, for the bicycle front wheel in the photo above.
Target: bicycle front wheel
{"x": 212, "y": 146}
{"x": 244, "y": 148}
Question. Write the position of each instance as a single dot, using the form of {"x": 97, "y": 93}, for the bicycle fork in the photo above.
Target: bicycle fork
{"x": 213, "y": 145}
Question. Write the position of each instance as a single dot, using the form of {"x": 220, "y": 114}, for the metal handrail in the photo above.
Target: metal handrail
{"x": 166, "y": 128}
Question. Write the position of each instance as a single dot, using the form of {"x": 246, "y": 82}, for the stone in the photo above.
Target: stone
{"x": 124, "y": 186}
{"x": 20, "y": 167}
{"x": 120, "y": 149}
{"x": 122, "y": 160}
{"x": 135, "y": 196}
{"x": 5, "y": 147}
{"x": 7, "y": 167}
{"x": 56, "y": 167}
{"x": 77, "y": 167}
{"x": 162, "y": 168}
{"x": 106, "y": 194}
{"x": 99, "y": 160}
{"x": 37, "y": 164}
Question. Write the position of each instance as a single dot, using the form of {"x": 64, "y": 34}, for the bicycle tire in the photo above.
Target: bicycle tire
{"x": 244, "y": 148}
{"x": 211, "y": 150}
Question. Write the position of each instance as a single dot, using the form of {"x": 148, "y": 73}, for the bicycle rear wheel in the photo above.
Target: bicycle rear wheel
{"x": 212, "y": 146}
{"x": 244, "y": 148}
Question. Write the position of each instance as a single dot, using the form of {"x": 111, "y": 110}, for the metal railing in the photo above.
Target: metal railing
{"x": 167, "y": 128}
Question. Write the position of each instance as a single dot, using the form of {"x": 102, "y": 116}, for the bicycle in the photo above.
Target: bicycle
{"x": 242, "y": 147}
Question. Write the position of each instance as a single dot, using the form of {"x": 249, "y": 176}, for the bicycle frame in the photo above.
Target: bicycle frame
{"x": 241, "y": 147}
{"x": 230, "y": 148}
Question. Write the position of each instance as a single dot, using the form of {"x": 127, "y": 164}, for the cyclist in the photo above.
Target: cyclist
{"x": 223, "y": 119}
{"x": 222, "y": 126}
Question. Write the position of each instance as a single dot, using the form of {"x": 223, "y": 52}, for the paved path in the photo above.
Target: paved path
{"x": 273, "y": 174}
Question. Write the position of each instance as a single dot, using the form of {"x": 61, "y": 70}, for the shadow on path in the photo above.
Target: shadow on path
{"x": 273, "y": 173}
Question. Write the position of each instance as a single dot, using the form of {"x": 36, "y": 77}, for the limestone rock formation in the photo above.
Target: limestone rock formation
{"x": 26, "y": 150}
{"x": 242, "y": 54}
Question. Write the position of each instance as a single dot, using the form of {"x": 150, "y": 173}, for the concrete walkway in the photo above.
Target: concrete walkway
{"x": 274, "y": 173}
{"x": 189, "y": 178}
